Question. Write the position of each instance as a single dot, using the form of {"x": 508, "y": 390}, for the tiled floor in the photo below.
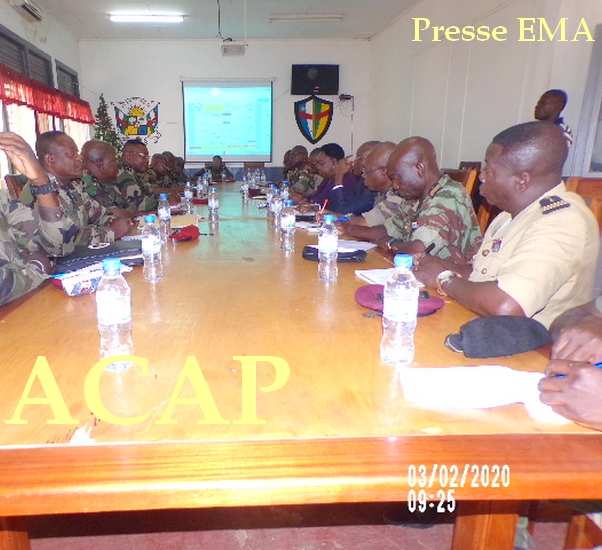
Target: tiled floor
{"x": 340, "y": 527}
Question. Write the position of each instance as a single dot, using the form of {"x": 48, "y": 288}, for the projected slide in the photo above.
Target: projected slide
{"x": 232, "y": 119}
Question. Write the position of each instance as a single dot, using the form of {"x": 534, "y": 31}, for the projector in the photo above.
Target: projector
{"x": 233, "y": 48}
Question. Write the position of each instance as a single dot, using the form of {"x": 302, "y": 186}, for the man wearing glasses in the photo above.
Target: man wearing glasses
{"x": 134, "y": 189}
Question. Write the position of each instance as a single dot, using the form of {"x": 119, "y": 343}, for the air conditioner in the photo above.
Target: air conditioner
{"x": 233, "y": 48}
{"x": 28, "y": 10}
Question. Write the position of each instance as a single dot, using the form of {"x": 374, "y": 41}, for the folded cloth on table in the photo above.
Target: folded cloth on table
{"x": 130, "y": 253}
{"x": 371, "y": 296}
{"x": 345, "y": 255}
{"x": 498, "y": 336}
{"x": 187, "y": 233}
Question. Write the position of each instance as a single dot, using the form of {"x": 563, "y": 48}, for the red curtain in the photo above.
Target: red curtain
{"x": 16, "y": 88}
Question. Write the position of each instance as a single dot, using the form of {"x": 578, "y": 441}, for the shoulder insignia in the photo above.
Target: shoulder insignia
{"x": 435, "y": 189}
{"x": 552, "y": 203}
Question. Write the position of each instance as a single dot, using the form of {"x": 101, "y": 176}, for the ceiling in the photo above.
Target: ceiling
{"x": 362, "y": 19}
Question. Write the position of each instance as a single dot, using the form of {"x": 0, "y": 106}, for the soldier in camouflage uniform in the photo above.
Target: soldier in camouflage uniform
{"x": 28, "y": 235}
{"x": 101, "y": 166}
{"x": 436, "y": 210}
{"x": 179, "y": 177}
{"x": 58, "y": 155}
{"x": 303, "y": 177}
{"x": 158, "y": 176}
{"x": 134, "y": 189}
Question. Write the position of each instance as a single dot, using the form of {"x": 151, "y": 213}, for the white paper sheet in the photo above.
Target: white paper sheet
{"x": 475, "y": 388}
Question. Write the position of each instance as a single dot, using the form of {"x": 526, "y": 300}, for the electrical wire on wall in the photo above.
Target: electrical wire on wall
{"x": 346, "y": 106}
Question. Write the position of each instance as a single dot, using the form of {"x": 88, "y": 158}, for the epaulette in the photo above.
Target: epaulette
{"x": 434, "y": 190}
{"x": 552, "y": 203}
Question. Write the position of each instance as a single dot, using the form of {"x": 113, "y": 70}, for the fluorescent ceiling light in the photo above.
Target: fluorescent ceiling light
{"x": 146, "y": 18}
{"x": 307, "y": 18}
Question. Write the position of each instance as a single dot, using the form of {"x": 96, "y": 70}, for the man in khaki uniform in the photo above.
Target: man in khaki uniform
{"x": 538, "y": 257}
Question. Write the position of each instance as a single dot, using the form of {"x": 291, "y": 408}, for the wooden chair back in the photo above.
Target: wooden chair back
{"x": 15, "y": 184}
{"x": 253, "y": 165}
{"x": 590, "y": 189}
{"x": 486, "y": 214}
{"x": 470, "y": 165}
{"x": 468, "y": 178}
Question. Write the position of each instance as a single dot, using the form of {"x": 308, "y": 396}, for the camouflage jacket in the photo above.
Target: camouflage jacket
{"x": 91, "y": 219}
{"x": 303, "y": 181}
{"x": 106, "y": 193}
{"x": 136, "y": 191}
{"x": 385, "y": 207}
{"x": 445, "y": 217}
{"x": 154, "y": 180}
{"x": 24, "y": 230}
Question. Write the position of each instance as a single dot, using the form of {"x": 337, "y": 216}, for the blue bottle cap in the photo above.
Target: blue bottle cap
{"x": 150, "y": 218}
{"x": 163, "y": 196}
{"x": 403, "y": 260}
{"x": 329, "y": 217}
{"x": 111, "y": 264}
{"x": 288, "y": 202}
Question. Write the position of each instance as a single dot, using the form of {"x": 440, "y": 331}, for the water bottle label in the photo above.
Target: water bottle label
{"x": 188, "y": 194}
{"x": 112, "y": 309}
{"x": 151, "y": 244}
{"x": 213, "y": 203}
{"x": 400, "y": 311}
{"x": 287, "y": 221}
{"x": 164, "y": 213}
{"x": 328, "y": 243}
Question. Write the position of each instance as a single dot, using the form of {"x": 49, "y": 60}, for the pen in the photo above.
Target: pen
{"x": 599, "y": 365}
{"x": 342, "y": 219}
{"x": 428, "y": 250}
{"x": 324, "y": 206}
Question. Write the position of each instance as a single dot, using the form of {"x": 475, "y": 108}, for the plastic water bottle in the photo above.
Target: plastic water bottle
{"x": 276, "y": 206}
{"x": 244, "y": 188}
{"x": 151, "y": 249}
{"x": 400, "y": 308}
{"x": 287, "y": 227}
{"x": 213, "y": 203}
{"x": 269, "y": 193}
{"x": 114, "y": 313}
{"x": 328, "y": 244}
{"x": 284, "y": 190}
{"x": 188, "y": 197}
{"x": 164, "y": 212}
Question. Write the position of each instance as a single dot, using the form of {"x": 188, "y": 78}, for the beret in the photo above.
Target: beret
{"x": 498, "y": 336}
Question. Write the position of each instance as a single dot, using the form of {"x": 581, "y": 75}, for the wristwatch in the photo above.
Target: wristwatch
{"x": 50, "y": 187}
{"x": 444, "y": 277}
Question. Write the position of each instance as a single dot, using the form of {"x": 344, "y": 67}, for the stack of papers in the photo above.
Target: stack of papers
{"x": 375, "y": 276}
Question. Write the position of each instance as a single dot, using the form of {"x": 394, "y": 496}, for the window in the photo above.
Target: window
{"x": 67, "y": 80}
{"x": 25, "y": 58}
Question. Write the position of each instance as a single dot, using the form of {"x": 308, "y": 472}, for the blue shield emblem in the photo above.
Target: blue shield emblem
{"x": 313, "y": 115}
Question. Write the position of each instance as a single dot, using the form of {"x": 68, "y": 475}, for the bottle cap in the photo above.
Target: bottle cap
{"x": 163, "y": 196}
{"x": 276, "y": 191}
{"x": 403, "y": 260}
{"x": 214, "y": 189}
{"x": 288, "y": 202}
{"x": 111, "y": 264}
{"x": 271, "y": 186}
{"x": 329, "y": 217}
{"x": 284, "y": 182}
{"x": 150, "y": 218}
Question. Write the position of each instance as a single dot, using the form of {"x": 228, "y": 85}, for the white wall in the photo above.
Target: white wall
{"x": 49, "y": 36}
{"x": 460, "y": 94}
{"x": 154, "y": 69}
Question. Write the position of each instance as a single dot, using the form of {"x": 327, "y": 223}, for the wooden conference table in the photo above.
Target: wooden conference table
{"x": 337, "y": 430}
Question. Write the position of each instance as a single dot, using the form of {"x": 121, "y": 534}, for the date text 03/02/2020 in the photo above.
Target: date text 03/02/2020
{"x": 433, "y": 486}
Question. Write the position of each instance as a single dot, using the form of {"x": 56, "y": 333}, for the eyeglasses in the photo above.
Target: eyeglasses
{"x": 141, "y": 155}
{"x": 382, "y": 169}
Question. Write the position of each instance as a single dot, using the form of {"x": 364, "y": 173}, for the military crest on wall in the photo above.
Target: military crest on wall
{"x": 313, "y": 115}
{"x": 137, "y": 118}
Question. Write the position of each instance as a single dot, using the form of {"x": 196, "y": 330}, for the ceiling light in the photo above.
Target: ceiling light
{"x": 146, "y": 18}
{"x": 307, "y": 18}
